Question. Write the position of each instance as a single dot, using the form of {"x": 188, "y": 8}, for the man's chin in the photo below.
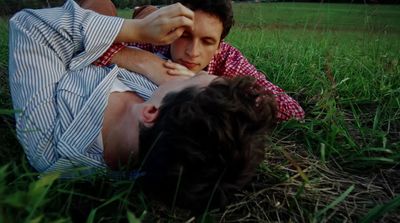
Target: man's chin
{"x": 196, "y": 70}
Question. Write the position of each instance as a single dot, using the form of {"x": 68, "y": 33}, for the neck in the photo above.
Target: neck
{"x": 121, "y": 129}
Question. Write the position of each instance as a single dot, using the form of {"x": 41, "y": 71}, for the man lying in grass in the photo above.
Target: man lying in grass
{"x": 195, "y": 139}
{"x": 200, "y": 48}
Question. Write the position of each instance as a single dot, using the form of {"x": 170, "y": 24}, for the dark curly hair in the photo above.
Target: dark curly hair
{"x": 222, "y": 9}
{"x": 206, "y": 142}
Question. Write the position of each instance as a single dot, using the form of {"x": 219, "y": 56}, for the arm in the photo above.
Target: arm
{"x": 161, "y": 27}
{"x": 47, "y": 47}
{"x": 134, "y": 59}
{"x": 143, "y": 62}
{"x": 230, "y": 62}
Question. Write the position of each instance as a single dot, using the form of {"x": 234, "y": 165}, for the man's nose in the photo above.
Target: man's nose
{"x": 193, "y": 49}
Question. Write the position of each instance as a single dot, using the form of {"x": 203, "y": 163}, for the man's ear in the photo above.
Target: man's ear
{"x": 149, "y": 114}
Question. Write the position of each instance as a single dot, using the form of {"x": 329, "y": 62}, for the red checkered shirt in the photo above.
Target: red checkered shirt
{"x": 229, "y": 62}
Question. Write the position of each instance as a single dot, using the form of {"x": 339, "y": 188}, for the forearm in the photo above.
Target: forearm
{"x": 143, "y": 62}
{"x": 48, "y": 43}
{"x": 129, "y": 31}
{"x": 161, "y": 27}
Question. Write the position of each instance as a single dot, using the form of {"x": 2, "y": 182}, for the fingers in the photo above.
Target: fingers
{"x": 167, "y": 24}
{"x": 171, "y": 65}
{"x": 177, "y": 23}
{"x": 177, "y": 69}
{"x": 173, "y": 35}
{"x": 176, "y": 15}
{"x": 180, "y": 22}
{"x": 160, "y": 27}
{"x": 178, "y": 9}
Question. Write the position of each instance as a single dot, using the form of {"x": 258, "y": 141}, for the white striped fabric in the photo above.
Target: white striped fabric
{"x": 60, "y": 95}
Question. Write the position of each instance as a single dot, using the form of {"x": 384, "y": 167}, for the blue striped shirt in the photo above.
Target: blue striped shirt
{"x": 60, "y": 95}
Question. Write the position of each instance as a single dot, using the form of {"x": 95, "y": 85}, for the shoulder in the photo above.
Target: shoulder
{"x": 228, "y": 54}
{"x": 226, "y": 48}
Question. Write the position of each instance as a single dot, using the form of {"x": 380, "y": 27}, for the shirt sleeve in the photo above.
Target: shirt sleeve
{"x": 58, "y": 39}
{"x": 231, "y": 63}
{"x": 45, "y": 47}
{"x": 105, "y": 59}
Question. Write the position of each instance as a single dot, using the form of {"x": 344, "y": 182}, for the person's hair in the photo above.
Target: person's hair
{"x": 222, "y": 9}
{"x": 206, "y": 143}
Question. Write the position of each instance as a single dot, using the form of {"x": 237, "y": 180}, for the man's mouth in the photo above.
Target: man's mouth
{"x": 188, "y": 64}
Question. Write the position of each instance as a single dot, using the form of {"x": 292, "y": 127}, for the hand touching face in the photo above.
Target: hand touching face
{"x": 175, "y": 69}
{"x": 166, "y": 24}
{"x": 160, "y": 27}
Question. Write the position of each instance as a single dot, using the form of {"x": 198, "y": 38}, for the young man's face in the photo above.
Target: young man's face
{"x": 195, "y": 48}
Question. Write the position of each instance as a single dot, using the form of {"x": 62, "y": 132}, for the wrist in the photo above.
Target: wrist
{"x": 130, "y": 31}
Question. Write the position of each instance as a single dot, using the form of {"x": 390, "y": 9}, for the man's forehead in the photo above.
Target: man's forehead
{"x": 209, "y": 23}
{"x": 206, "y": 15}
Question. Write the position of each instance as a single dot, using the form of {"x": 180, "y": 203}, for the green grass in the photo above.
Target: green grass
{"x": 320, "y": 16}
{"x": 340, "y": 61}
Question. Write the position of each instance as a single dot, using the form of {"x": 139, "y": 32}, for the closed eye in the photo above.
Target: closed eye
{"x": 209, "y": 41}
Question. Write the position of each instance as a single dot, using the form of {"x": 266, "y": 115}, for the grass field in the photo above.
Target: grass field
{"x": 340, "y": 61}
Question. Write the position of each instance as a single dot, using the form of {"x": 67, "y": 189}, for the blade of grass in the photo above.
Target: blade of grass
{"x": 132, "y": 218}
{"x": 91, "y": 216}
{"x": 380, "y": 210}
{"x": 334, "y": 203}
